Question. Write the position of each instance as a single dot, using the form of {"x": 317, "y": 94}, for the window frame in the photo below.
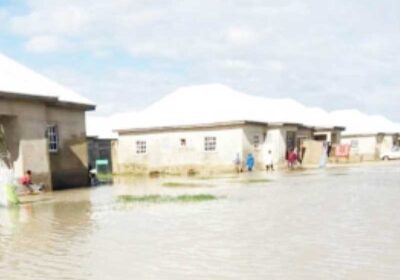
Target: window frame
{"x": 210, "y": 147}
{"x": 141, "y": 147}
{"x": 53, "y": 138}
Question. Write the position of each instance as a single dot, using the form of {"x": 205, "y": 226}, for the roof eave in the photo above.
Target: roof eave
{"x": 186, "y": 127}
{"x": 48, "y": 100}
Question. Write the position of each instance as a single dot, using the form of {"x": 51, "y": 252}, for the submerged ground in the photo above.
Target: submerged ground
{"x": 336, "y": 223}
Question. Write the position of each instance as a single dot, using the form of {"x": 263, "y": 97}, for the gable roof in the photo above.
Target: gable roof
{"x": 19, "y": 81}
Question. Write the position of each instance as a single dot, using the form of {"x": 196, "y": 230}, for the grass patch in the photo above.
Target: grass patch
{"x": 105, "y": 176}
{"x": 165, "y": 198}
{"x": 182, "y": 185}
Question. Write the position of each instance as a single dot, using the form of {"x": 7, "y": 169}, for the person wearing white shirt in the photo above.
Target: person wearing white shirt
{"x": 269, "y": 161}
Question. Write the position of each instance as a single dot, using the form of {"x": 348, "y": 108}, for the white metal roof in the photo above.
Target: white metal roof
{"x": 215, "y": 103}
{"x": 18, "y": 79}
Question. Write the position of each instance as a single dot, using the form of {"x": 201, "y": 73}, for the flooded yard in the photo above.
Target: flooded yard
{"x": 336, "y": 223}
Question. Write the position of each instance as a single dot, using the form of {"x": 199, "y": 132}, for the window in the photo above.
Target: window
{"x": 256, "y": 141}
{"x": 52, "y": 137}
{"x": 354, "y": 144}
{"x": 183, "y": 142}
{"x": 141, "y": 147}
{"x": 210, "y": 144}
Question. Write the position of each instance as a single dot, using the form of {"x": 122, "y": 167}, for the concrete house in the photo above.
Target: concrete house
{"x": 43, "y": 127}
{"x": 205, "y": 147}
{"x": 367, "y": 135}
{"x": 203, "y": 128}
{"x": 369, "y": 146}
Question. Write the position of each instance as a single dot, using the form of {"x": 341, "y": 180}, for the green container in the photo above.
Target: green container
{"x": 11, "y": 195}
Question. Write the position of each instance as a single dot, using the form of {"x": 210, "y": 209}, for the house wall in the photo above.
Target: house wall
{"x": 368, "y": 147}
{"x": 363, "y": 147}
{"x": 254, "y": 139}
{"x": 69, "y": 166}
{"x": 386, "y": 144}
{"x": 165, "y": 153}
{"x": 25, "y": 123}
{"x": 24, "y": 130}
{"x": 276, "y": 143}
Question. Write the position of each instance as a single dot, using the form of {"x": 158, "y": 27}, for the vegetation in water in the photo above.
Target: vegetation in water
{"x": 105, "y": 177}
{"x": 216, "y": 177}
{"x": 183, "y": 184}
{"x": 165, "y": 198}
{"x": 254, "y": 181}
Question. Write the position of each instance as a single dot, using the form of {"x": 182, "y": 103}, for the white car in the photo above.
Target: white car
{"x": 393, "y": 154}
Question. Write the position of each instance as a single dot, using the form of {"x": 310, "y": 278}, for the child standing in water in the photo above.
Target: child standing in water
{"x": 292, "y": 158}
{"x": 238, "y": 163}
{"x": 269, "y": 161}
{"x": 26, "y": 181}
{"x": 250, "y": 162}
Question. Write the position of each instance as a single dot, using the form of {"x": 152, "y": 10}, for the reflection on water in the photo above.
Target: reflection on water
{"x": 331, "y": 224}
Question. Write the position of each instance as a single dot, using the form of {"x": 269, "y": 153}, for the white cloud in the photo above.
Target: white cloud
{"x": 45, "y": 44}
{"x": 310, "y": 50}
{"x": 241, "y": 36}
{"x": 59, "y": 20}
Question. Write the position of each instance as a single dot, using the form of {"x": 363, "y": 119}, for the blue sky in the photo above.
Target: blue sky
{"x": 125, "y": 54}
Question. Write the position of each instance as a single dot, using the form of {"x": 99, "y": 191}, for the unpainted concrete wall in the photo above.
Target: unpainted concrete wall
{"x": 26, "y": 123}
{"x": 69, "y": 166}
{"x": 313, "y": 152}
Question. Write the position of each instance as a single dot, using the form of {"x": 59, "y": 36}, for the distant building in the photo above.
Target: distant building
{"x": 369, "y": 146}
{"x": 100, "y": 154}
{"x": 43, "y": 127}
{"x": 207, "y": 147}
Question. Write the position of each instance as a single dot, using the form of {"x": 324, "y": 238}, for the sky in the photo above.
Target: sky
{"x": 126, "y": 54}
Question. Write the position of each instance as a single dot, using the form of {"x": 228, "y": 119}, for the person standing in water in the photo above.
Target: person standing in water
{"x": 269, "y": 161}
{"x": 250, "y": 162}
{"x": 238, "y": 163}
{"x": 26, "y": 181}
{"x": 292, "y": 158}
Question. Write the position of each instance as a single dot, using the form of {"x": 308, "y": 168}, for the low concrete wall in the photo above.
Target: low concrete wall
{"x": 313, "y": 152}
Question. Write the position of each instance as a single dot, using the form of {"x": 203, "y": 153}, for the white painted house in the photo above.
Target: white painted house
{"x": 205, "y": 127}
{"x": 211, "y": 146}
{"x": 369, "y": 136}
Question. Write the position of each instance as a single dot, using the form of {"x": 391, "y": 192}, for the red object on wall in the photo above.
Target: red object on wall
{"x": 343, "y": 150}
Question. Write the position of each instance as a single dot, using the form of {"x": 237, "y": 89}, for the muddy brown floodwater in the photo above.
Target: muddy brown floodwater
{"x": 336, "y": 223}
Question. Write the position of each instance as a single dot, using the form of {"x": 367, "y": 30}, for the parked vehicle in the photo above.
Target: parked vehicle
{"x": 393, "y": 154}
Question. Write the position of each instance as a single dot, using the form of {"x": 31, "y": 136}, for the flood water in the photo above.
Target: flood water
{"x": 336, "y": 223}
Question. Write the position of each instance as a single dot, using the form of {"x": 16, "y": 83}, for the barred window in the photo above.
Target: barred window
{"x": 354, "y": 144}
{"x": 256, "y": 141}
{"x": 141, "y": 147}
{"x": 210, "y": 144}
{"x": 52, "y": 137}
